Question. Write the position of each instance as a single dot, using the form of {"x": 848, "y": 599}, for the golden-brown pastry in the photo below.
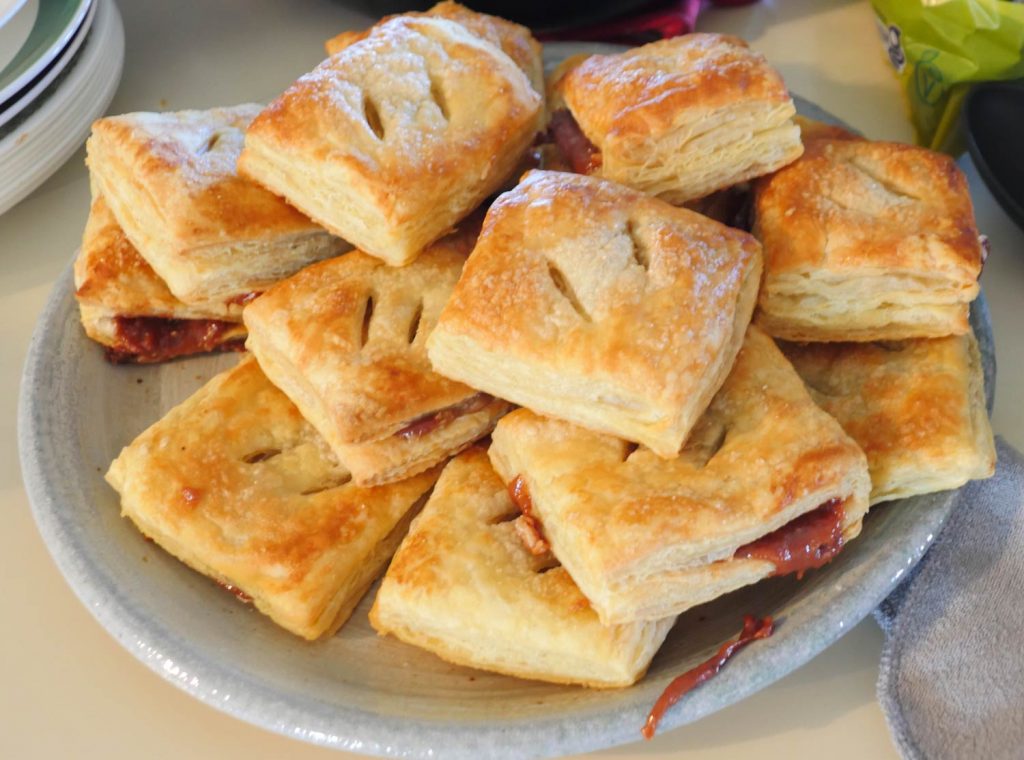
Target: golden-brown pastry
{"x": 128, "y": 309}
{"x": 399, "y": 136}
{"x": 645, "y": 538}
{"x": 171, "y": 182}
{"x": 346, "y": 341}
{"x": 916, "y": 407}
{"x": 683, "y": 117}
{"x": 553, "y": 83}
{"x": 237, "y": 485}
{"x": 866, "y": 241}
{"x": 463, "y": 586}
{"x": 513, "y": 39}
{"x": 812, "y": 129}
{"x": 594, "y": 303}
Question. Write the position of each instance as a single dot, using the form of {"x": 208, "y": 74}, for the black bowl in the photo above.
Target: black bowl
{"x": 993, "y": 120}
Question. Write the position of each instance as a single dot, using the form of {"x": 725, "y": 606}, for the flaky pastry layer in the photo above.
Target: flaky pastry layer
{"x": 684, "y": 117}
{"x": 866, "y": 241}
{"x": 400, "y": 456}
{"x": 916, "y": 408}
{"x": 116, "y": 288}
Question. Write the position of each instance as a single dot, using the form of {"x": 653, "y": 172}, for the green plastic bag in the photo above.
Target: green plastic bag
{"x": 939, "y": 47}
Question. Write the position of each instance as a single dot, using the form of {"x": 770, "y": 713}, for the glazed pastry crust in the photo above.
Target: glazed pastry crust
{"x": 237, "y": 485}
{"x": 916, "y": 407}
{"x": 463, "y": 587}
{"x": 866, "y": 241}
{"x": 112, "y": 280}
{"x": 396, "y": 138}
{"x": 170, "y": 181}
{"x": 346, "y": 340}
{"x": 512, "y": 39}
{"x": 684, "y": 117}
{"x": 590, "y": 302}
{"x": 644, "y": 537}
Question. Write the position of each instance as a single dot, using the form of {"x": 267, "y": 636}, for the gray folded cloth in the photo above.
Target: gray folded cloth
{"x": 952, "y": 677}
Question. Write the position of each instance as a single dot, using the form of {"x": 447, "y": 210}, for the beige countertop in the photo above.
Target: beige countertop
{"x": 70, "y": 690}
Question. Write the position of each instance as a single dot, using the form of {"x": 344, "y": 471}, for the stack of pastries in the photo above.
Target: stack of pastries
{"x": 558, "y": 407}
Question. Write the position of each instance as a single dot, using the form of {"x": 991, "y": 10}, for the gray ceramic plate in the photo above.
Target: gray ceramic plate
{"x": 357, "y": 691}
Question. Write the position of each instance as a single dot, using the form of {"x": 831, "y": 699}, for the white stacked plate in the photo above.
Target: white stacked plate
{"x": 60, "y": 63}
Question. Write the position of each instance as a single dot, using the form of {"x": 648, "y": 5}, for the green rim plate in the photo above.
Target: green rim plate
{"x": 56, "y": 23}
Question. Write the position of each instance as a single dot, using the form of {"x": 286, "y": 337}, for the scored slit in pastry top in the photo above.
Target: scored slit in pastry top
{"x": 238, "y": 485}
{"x": 352, "y": 332}
{"x": 397, "y": 137}
{"x": 347, "y": 342}
{"x": 468, "y": 529}
{"x": 587, "y": 301}
{"x": 513, "y": 39}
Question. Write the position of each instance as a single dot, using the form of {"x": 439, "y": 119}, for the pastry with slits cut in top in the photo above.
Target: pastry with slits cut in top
{"x": 767, "y": 484}
{"x": 464, "y": 587}
{"x": 394, "y": 140}
{"x": 346, "y": 341}
{"x": 678, "y": 118}
{"x": 866, "y": 241}
{"x": 170, "y": 180}
{"x": 128, "y": 309}
{"x": 590, "y": 302}
{"x": 513, "y": 39}
{"x": 916, "y": 407}
{"x": 237, "y": 485}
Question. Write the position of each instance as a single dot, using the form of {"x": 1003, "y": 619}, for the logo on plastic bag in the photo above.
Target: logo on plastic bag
{"x": 894, "y": 47}
{"x": 928, "y": 80}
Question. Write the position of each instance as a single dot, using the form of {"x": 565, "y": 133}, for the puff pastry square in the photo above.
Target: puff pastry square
{"x": 594, "y": 303}
{"x": 127, "y": 308}
{"x": 513, "y": 39}
{"x": 645, "y": 538}
{"x": 866, "y": 241}
{"x": 916, "y": 407}
{"x": 171, "y": 182}
{"x": 463, "y": 586}
{"x": 346, "y": 340}
{"x": 237, "y": 485}
{"x": 396, "y": 138}
{"x": 683, "y": 117}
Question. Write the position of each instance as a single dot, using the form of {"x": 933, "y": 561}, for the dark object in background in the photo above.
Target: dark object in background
{"x": 632, "y": 21}
{"x": 993, "y": 114}
{"x": 538, "y": 14}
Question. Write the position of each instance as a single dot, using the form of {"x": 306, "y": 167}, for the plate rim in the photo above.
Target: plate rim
{"x": 54, "y": 44}
{"x": 361, "y": 730}
{"x": 15, "y": 17}
{"x": 37, "y": 87}
{"x": 8, "y": 13}
{"x": 42, "y": 140}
